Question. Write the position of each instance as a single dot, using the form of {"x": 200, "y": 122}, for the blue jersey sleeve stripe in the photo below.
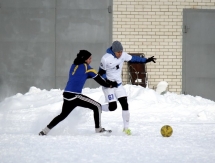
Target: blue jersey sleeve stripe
{"x": 92, "y": 70}
{"x": 85, "y": 66}
{"x": 76, "y": 67}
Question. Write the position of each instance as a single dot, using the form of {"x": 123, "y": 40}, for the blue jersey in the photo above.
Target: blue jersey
{"x": 78, "y": 75}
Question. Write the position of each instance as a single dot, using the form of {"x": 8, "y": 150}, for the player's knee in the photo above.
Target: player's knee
{"x": 124, "y": 103}
{"x": 112, "y": 106}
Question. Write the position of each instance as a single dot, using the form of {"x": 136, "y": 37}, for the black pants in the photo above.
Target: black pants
{"x": 71, "y": 101}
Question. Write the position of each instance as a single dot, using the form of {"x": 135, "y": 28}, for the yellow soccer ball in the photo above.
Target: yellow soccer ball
{"x": 166, "y": 131}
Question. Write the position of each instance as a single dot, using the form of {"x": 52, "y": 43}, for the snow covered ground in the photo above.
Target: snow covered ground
{"x": 22, "y": 117}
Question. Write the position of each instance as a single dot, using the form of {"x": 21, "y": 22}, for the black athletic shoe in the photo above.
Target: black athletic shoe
{"x": 101, "y": 130}
{"x": 42, "y": 133}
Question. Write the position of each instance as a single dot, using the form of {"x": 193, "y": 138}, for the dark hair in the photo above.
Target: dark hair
{"x": 81, "y": 57}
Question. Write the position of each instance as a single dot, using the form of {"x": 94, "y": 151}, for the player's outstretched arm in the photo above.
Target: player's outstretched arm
{"x": 102, "y": 81}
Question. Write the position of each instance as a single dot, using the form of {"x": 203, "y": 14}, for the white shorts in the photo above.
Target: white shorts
{"x": 112, "y": 94}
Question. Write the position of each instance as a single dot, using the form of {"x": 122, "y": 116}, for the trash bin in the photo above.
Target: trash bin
{"x": 137, "y": 72}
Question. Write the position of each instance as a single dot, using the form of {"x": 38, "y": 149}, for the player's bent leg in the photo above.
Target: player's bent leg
{"x": 87, "y": 102}
{"x": 112, "y": 106}
{"x": 97, "y": 109}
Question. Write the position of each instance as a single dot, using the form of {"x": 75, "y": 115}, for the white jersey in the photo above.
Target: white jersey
{"x": 113, "y": 66}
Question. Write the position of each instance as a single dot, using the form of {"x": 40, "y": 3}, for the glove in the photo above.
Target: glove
{"x": 112, "y": 83}
{"x": 151, "y": 59}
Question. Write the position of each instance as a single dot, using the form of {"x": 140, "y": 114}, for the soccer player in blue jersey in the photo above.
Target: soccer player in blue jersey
{"x": 79, "y": 72}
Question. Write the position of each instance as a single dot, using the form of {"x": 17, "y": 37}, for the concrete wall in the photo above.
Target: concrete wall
{"x": 27, "y": 45}
{"x": 39, "y": 40}
{"x": 155, "y": 28}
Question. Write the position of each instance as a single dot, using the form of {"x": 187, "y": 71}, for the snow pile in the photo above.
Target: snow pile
{"x": 22, "y": 116}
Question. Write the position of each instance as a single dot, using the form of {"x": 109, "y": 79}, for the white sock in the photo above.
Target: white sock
{"x": 126, "y": 118}
{"x": 105, "y": 107}
{"x": 46, "y": 130}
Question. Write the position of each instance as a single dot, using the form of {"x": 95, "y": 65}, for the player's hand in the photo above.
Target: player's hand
{"x": 112, "y": 83}
{"x": 151, "y": 59}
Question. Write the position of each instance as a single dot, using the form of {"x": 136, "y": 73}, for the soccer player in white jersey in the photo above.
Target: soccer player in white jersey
{"x": 111, "y": 69}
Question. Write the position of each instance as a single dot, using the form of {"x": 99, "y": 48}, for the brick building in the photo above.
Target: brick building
{"x": 154, "y": 27}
